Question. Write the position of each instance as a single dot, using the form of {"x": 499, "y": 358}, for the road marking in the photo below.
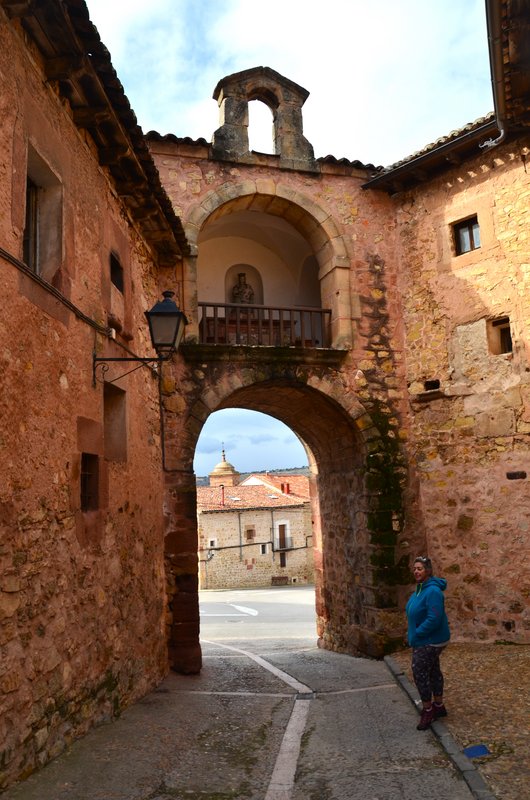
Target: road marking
{"x": 282, "y": 780}
{"x": 244, "y": 610}
{"x": 284, "y": 676}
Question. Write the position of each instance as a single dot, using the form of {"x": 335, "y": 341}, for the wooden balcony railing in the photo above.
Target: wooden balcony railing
{"x": 264, "y": 326}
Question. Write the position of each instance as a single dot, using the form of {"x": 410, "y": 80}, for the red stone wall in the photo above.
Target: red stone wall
{"x": 467, "y": 439}
{"x": 81, "y": 594}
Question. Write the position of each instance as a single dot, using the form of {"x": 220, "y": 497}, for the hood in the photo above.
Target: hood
{"x": 441, "y": 583}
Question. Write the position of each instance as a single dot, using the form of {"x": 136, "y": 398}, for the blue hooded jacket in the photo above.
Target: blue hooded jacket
{"x": 426, "y": 615}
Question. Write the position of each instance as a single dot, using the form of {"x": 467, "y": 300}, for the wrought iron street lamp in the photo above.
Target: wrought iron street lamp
{"x": 166, "y": 326}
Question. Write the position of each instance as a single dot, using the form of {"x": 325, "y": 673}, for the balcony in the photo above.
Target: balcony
{"x": 284, "y": 543}
{"x": 264, "y": 326}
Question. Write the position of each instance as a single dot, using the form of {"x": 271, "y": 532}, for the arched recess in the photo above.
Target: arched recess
{"x": 356, "y": 500}
{"x": 308, "y": 218}
{"x": 252, "y": 277}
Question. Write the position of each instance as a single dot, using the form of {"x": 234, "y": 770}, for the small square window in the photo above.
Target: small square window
{"x": 250, "y": 533}
{"x": 89, "y": 482}
{"x": 499, "y": 336}
{"x": 212, "y": 542}
{"x": 264, "y": 549}
{"x": 466, "y": 235}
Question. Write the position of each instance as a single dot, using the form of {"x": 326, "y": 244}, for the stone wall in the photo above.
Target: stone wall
{"x": 470, "y": 440}
{"x": 81, "y": 593}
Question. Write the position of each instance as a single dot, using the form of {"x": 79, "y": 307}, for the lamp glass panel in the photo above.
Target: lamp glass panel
{"x": 164, "y": 329}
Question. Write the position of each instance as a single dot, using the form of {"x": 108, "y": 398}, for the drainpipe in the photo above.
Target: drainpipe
{"x": 494, "y": 24}
{"x": 240, "y": 537}
{"x": 222, "y": 494}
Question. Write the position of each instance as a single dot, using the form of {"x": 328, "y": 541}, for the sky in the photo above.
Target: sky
{"x": 385, "y": 77}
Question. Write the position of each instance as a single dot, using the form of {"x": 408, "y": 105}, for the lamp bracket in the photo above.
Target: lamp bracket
{"x": 102, "y": 364}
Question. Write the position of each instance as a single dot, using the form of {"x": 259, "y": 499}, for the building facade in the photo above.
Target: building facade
{"x": 84, "y": 242}
{"x": 380, "y": 313}
{"x": 255, "y": 532}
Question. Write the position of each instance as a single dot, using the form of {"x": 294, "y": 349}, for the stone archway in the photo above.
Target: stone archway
{"x": 357, "y": 489}
{"x": 307, "y": 217}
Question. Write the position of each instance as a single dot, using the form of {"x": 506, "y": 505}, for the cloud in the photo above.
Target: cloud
{"x": 385, "y": 78}
{"x": 252, "y": 441}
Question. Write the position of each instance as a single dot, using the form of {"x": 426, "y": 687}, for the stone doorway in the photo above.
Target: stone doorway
{"x": 355, "y": 493}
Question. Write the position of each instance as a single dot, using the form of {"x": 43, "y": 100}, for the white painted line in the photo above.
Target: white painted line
{"x": 244, "y": 610}
{"x": 282, "y": 780}
{"x": 299, "y": 687}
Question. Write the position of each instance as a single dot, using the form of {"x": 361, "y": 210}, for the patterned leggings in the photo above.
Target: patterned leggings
{"x": 427, "y": 673}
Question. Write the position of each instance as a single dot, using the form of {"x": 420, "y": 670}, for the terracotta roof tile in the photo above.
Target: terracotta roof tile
{"x": 209, "y": 498}
{"x": 298, "y": 484}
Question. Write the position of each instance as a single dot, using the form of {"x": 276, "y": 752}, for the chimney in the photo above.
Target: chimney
{"x": 283, "y": 488}
{"x": 287, "y": 489}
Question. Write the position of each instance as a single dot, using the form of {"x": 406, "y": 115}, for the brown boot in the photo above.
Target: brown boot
{"x": 427, "y": 716}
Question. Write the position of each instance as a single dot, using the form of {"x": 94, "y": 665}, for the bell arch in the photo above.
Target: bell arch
{"x": 308, "y": 218}
{"x": 285, "y": 100}
{"x": 356, "y": 486}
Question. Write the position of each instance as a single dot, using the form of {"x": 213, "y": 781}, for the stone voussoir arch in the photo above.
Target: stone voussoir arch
{"x": 310, "y": 219}
{"x": 357, "y": 504}
{"x": 316, "y": 223}
{"x": 216, "y": 395}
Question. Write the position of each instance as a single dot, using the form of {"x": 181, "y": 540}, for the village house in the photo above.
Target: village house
{"x": 381, "y": 313}
{"x": 254, "y": 532}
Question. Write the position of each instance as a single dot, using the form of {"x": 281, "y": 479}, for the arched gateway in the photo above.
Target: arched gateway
{"x": 291, "y": 295}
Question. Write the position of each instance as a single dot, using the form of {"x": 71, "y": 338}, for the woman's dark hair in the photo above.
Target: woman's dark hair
{"x": 427, "y": 563}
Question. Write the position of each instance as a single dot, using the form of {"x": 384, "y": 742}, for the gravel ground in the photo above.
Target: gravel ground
{"x": 488, "y": 701}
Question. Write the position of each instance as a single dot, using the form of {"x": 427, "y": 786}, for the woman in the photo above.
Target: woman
{"x": 428, "y": 633}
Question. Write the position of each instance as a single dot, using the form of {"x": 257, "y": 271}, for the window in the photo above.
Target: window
{"x": 466, "y": 235}
{"x": 431, "y": 385}
{"x": 250, "y": 533}
{"x": 115, "y": 423}
{"x": 212, "y": 542}
{"x": 264, "y": 549}
{"x": 282, "y": 538}
{"x": 42, "y": 241}
{"x": 116, "y": 272}
{"x": 31, "y": 229}
{"x": 89, "y": 482}
{"x": 499, "y": 336}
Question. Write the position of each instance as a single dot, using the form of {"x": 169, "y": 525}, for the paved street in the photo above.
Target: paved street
{"x": 269, "y": 718}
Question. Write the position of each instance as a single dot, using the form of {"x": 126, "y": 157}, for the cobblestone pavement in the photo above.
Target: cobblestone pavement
{"x": 488, "y": 699}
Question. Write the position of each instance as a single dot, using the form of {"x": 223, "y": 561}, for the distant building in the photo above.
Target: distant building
{"x": 254, "y": 533}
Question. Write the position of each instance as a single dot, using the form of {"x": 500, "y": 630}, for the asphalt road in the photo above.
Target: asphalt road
{"x": 282, "y": 614}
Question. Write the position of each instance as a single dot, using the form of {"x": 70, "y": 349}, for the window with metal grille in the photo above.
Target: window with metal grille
{"x": 466, "y": 235}
{"x": 89, "y": 482}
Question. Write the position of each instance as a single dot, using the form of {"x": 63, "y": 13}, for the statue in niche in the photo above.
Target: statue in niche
{"x": 242, "y": 291}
